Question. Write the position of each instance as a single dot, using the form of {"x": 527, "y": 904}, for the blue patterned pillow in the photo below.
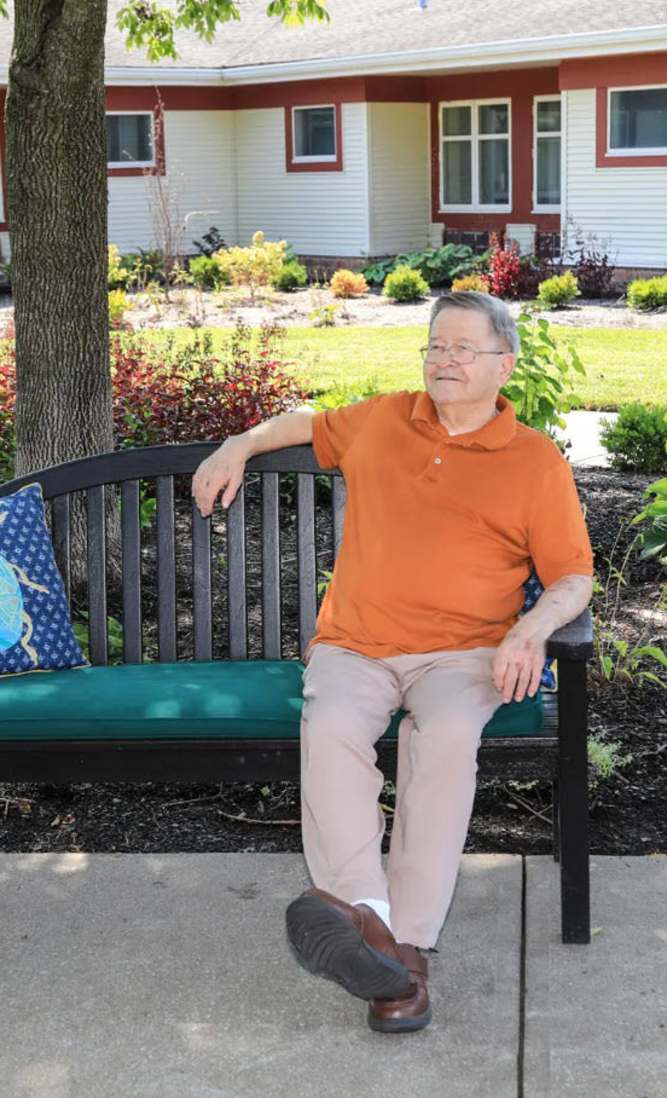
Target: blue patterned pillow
{"x": 35, "y": 627}
{"x": 533, "y": 589}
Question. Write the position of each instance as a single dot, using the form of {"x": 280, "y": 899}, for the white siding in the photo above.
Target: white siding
{"x": 319, "y": 213}
{"x": 628, "y": 205}
{"x": 200, "y": 163}
{"x": 399, "y": 165}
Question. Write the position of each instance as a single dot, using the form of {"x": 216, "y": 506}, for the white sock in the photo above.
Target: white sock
{"x": 380, "y": 907}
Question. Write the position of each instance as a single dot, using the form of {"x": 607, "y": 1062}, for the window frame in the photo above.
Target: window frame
{"x": 475, "y": 206}
{"x": 645, "y": 150}
{"x": 320, "y": 158}
{"x": 549, "y": 98}
{"x": 135, "y": 164}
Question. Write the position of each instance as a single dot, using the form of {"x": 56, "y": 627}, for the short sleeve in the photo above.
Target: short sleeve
{"x": 558, "y": 538}
{"x": 335, "y": 430}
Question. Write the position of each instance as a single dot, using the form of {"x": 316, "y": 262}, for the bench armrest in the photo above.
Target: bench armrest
{"x": 573, "y": 641}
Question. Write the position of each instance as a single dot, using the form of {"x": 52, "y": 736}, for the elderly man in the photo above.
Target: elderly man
{"x": 450, "y": 501}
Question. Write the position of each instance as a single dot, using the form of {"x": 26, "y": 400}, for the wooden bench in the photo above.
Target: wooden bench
{"x": 237, "y": 718}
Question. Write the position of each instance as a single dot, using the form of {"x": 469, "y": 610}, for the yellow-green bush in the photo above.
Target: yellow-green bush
{"x": 405, "y": 284}
{"x": 118, "y": 276}
{"x": 345, "y": 283}
{"x": 254, "y": 266}
{"x": 648, "y": 293}
{"x": 475, "y": 282}
{"x": 557, "y": 291}
{"x": 118, "y": 304}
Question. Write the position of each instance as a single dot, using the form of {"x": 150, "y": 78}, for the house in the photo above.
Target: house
{"x": 398, "y": 125}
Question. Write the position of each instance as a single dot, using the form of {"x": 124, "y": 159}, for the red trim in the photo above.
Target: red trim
{"x": 174, "y": 98}
{"x": 325, "y": 165}
{"x": 299, "y": 93}
{"x": 625, "y": 68}
{"x": 520, "y": 86}
{"x": 602, "y": 160}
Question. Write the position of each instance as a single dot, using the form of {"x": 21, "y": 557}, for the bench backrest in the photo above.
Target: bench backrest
{"x": 125, "y": 468}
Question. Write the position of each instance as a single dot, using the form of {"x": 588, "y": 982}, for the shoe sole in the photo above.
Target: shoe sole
{"x": 326, "y": 943}
{"x": 400, "y": 1025}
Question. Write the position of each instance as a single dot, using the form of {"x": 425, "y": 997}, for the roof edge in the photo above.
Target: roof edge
{"x": 552, "y": 48}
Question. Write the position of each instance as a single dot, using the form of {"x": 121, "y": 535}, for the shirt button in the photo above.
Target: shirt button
{"x": 438, "y": 461}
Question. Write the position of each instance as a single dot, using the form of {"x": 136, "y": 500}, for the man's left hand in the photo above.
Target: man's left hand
{"x": 519, "y": 660}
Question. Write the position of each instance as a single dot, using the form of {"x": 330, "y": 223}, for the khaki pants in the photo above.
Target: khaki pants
{"x": 349, "y": 700}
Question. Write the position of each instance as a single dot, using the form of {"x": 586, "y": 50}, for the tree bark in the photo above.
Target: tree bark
{"x": 57, "y": 205}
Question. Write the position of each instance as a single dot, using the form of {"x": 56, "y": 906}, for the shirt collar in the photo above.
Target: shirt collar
{"x": 491, "y": 436}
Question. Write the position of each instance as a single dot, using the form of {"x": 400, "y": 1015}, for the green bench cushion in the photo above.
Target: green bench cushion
{"x": 229, "y": 699}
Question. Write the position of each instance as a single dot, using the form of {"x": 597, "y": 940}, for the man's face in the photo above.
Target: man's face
{"x": 446, "y": 379}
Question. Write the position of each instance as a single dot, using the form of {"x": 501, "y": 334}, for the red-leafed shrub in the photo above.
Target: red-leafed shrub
{"x": 186, "y": 394}
{"x": 504, "y": 268}
{"x": 7, "y": 405}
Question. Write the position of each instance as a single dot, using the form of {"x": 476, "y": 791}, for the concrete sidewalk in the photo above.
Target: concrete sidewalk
{"x": 583, "y": 431}
{"x": 170, "y": 976}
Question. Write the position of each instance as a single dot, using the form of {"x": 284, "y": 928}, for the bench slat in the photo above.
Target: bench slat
{"x": 61, "y": 538}
{"x": 96, "y": 566}
{"x": 270, "y": 568}
{"x": 166, "y": 569}
{"x": 306, "y": 562}
{"x": 201, "y": 585}
{"x": 236, "y": 578}
{"x": 131, "y": 545}
{"x": 339, "y": 498}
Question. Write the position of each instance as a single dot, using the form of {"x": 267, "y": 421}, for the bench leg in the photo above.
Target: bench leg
{"x": 555, "y": 819}
{"x": 573, "y": 801}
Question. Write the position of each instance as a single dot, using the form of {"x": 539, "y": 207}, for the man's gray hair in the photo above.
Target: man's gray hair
{"x": 500, "y": 318}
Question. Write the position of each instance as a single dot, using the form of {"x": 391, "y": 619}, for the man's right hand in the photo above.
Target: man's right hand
{"x": 223, "y": 469}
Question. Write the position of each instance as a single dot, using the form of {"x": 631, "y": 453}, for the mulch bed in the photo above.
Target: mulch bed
{"x": 628, "y": 809}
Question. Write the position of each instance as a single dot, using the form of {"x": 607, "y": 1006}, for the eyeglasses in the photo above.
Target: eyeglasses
{"x": 458, "y": 352}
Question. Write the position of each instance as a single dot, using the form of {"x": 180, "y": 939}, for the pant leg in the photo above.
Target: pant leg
{"x": 349, "y": 700}
{"x": 448, "y": 705}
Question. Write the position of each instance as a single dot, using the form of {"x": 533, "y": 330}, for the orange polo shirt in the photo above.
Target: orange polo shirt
{"x": 440, "y": 530}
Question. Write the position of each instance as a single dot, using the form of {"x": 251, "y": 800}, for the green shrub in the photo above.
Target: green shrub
{"x": 338, "y": 395}
{"x": 404, "y": 284}
{"x": 541, "y": 385}
{"x": 557, "y": 291}
{"x": 207, "y": 274}
{"x": 653, "y": 539}
{"x": 437, "y": 266}
{"x": 637, "y": 440}
{"x": 290, "y": 276}
{"x": 648, "y": 293}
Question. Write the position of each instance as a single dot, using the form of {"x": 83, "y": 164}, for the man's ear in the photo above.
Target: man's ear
{"x": 507, "y": 364}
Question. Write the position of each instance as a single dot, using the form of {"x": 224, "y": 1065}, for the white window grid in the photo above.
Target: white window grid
{"x": 474, "y": 138}
{"x": 313, "y": 159}
{"x": 542, "y": 134}
{"x": 135, "y": 163}
{"x": 656, "y": 150}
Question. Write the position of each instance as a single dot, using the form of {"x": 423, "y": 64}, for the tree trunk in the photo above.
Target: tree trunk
{"x": 57, "y": 205}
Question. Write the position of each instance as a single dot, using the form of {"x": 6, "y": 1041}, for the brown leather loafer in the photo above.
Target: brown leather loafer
{"x": 348, "y": 943}
{"x": 404, "y": 1013}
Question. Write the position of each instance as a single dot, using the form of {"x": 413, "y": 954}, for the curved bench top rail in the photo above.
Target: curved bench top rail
{"x": 150, "y": 461}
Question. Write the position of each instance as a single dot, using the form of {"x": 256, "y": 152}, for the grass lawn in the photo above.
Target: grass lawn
{"x": 622, "y": 364}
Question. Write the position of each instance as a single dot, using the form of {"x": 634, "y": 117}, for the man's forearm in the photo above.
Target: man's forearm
{"x": 560, "y": 603}
{"x": 288, "y": 429}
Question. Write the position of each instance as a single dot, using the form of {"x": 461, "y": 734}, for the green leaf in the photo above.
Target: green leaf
{"x": 653, "y": 651}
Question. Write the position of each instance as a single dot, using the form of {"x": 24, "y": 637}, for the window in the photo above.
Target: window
{"x": 637, "y": 121}
{"x": 130, "y": 140}
{"x": 313, "y": 133}
{"x": 546, "y": 155}
{"x": 475, "y": 157}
